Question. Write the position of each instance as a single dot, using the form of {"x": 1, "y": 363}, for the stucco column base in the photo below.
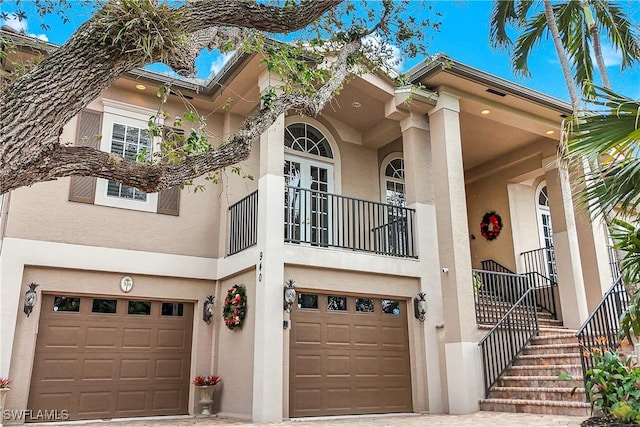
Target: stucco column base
{"x": 464, "y": 377}
{"x": 570, "y": 285}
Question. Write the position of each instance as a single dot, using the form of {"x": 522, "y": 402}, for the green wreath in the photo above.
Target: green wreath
{"x": 235, "y": 307}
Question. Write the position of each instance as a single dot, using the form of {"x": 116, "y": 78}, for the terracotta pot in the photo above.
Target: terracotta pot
{"x": 206, "y": 398}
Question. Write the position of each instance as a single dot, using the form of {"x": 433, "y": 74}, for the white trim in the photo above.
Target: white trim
{"x": 383, "y": 178}
{"x": 337, "y": 161}
{"x": 542, "y": 210}
{"x": 130, "y": 115}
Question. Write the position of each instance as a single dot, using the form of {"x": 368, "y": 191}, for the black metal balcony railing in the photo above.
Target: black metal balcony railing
{"x": 324, "y": 219}
{"x": 243, "y": 222}
{"x": 508, "y": 337}
{"x": 540, "y": 266}
{"x": 495, "y": 293}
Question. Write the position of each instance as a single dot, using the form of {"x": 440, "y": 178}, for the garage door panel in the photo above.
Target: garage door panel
{"x": 134, "y": 369}
{"x": 163, "y": 400}
{"x": 366, "y": 335}
{"x": 136, "y": 338}
{"x": 97, "y": 369}
{"x": 307, "y": 333}
{"x": 101, "y": 337}
{"x": 339, "y": 398}
{"x": 338, "y": 366}
{"x": 117, "y": 368}
{"x": 95, "y": 402}
{"x": 308, "y": 400}
{"x": 367, "y": 366}
{"x": 366, "y": 398}
{"x": 341, "y": 361}
{"x": 58, "y": 369}
{"x": 337, "y": 334}
{"x": 307, "y": 366}
{"x": 62, "y": 336}
{"x": 170, "y": 369}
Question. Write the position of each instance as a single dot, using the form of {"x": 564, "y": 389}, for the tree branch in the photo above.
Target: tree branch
{"x": 85, "y": 161}
{"x": 34, "y": 108}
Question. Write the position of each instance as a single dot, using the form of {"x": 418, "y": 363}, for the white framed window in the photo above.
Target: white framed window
{"x": 124, "y": 132}
{"x": 393, "y": 191}
{"x": 308, "y": 172}
{"x": 545, "y": 229}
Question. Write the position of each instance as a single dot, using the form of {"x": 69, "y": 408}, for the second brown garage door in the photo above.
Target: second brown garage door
{"x": 349, "y": 355}
{"x": 101, "y": 357}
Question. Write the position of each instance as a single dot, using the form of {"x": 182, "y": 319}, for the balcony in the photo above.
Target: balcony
{"x": 320, "y": 219}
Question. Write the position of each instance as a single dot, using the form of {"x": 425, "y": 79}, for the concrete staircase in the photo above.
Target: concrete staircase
{"x": 531, "y": 384}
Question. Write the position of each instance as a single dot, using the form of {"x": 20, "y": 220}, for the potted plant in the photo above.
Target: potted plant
{"x": 205, "y": 384}
{"x": 5, "y": 386}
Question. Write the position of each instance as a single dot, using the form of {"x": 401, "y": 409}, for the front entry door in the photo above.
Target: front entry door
{"x": 307, "y": 200}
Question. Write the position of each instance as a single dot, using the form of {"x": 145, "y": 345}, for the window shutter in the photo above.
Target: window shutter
{"x": 83, "y": 188}
{"x": 169, "y": 201}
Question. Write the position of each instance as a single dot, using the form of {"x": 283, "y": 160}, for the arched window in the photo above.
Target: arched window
{"x": 393, "y": 189}
{"x": 544, "y": 216}
{"x": 307, "y": 139}
{"x": 308, "y": 172}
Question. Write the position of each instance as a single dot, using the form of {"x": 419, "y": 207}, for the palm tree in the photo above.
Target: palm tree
{"x": 579, "y": 24}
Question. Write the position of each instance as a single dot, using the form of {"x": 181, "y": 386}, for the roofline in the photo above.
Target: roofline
{"x": 208, "y": 87}
{"x": 442, "y": 63}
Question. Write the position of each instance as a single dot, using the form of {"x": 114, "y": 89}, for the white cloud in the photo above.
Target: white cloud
{"x": 219, "y": 62}
{"x": 612, "y": 56}
{"x": 42, "y": 37}
{"x": 21, "y": 26}
{"x": 15, "y": 23}
{"x": 394, "y": 60}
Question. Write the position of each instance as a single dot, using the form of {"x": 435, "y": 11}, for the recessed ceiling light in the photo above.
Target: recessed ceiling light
{"x": 141, "y": 87}
{"x": 356, "y": 104}
{"x": 550, "y": 132}
{"x": 485, "y": 112}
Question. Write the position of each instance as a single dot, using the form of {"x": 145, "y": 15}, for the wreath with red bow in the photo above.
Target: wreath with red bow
{"x": 235, "y": 307}
{"x": 491, "y": 225}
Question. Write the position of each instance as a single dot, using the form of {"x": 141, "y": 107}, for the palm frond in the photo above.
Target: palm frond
{"x": 609, "y": 140}
{"x": 530, "y": 37}
{"x": 622, "y": 34}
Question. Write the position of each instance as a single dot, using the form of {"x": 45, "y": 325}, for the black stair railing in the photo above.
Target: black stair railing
{"x": 491, "y": 265}
{"x": 540, "y": 266}
{"x": 600, "y": 331}
{"x": 614, "y": 263}
{"x": 506, "y": 340}
{"x": 495, "y": 293}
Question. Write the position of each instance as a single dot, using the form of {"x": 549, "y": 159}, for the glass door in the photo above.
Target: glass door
{"x": 307, "y": 201}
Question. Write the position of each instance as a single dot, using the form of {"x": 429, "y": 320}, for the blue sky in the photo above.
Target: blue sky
{"x": 464, "y": 36}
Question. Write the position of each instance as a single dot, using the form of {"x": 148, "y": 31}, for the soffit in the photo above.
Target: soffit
{"x": 514, "y": 120}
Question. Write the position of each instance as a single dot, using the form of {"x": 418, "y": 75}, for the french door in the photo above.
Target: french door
{"x": 546, "y": 234}
{"x": 307, "y": 201}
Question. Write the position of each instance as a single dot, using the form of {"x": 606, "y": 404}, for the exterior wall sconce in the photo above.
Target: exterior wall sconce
{"x": 30, "y": 298}
{"x": 289, "y": 295}
{"x": 420, "y": 307}
{"x": 207, "y": 309}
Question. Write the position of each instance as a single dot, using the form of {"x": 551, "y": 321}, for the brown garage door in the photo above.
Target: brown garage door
{"x": 100, "y": 357}
{"x": 349, "y": 355}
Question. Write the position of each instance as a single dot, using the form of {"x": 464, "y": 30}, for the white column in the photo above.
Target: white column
{"x": 462, "y": 354}
{"x": 416, "y": 147}
{"x": 268, "y": 340}
{"x": 566, "y": 245}
{"x": 593, "y": 238}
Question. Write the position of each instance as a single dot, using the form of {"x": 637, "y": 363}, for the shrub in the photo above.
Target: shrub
{"x": 613, "y": 385}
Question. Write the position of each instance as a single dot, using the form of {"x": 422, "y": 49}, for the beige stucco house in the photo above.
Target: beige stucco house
{"x": 365, "y": 206}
